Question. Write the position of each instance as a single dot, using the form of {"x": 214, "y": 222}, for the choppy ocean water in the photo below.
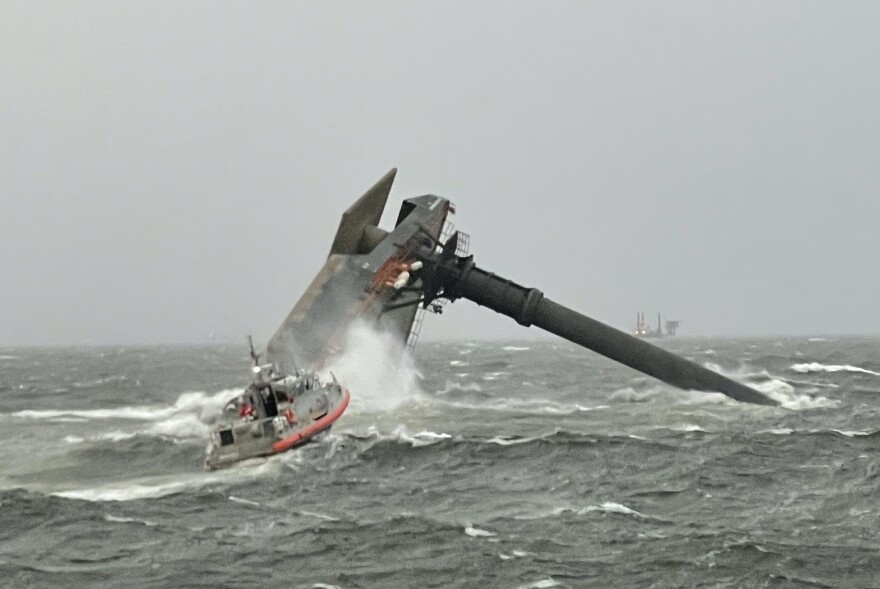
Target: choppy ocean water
{"x": 499, "y": 464}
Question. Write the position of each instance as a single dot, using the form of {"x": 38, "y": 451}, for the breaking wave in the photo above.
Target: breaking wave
{"x": 371, "y": 368}
{"x": 190, "y": 416}
{"x": 778, "y": 389}
{"x": 662, "y": 392}
{"x": 817, "y": 367}
{"x": 521, "y": 406}
{"x": 473, "y": 532}
{"x": 604, "y": 507}
{"x": 195, "y": 403}
{"x": 156, "y": 487}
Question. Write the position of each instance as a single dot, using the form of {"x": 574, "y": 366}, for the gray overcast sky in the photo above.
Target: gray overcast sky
{"x": 172, "y": 169}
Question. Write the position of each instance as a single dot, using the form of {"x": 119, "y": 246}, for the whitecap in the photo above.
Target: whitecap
{"x": 459, "y": 363}
{"x": 128, "y": 520}
{"x": 203, "y": 405}
{"x": 469, "y": 387}
{"x": 422, "y": 438}
{"x": 494, "y": 375}
{"x": 818, "y": 367}
{"x": 851, "y": 433}
{"x": 123, "y": 493}
{"x": 783, "y": 393}
{"x": 630, "y": 395}
{"x": 514, "y": 349}
{"x": 596, "y": 408}
{"x": 542, "y": 584}
{"x": 153, "y": 488}
{"x": 504, "y": 441}
{"x": 235, "y": 499}
{"x": 611, "y": 507}
{"x": 778, "y": 431}
{"x": 317, "y": 515}
{"x": 477, "y": 532}
{"x": 778, "y": 390}
{"x": 180, "y": 426}
{"x": 113, "y": 436}
{"x": 687, "y": 427}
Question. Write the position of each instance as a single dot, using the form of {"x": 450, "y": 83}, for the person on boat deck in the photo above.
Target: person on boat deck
{"x": 247, "y": 410}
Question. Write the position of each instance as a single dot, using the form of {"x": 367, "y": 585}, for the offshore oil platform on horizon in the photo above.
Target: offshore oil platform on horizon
{"x": 644, "y": 330}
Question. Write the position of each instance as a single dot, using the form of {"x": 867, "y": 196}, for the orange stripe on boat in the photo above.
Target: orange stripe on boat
{"x": 316, "y": 428}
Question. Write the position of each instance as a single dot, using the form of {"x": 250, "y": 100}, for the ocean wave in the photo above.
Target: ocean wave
{"x": 778, "y": 431}
{"x": 205, "y": 406}
{"x": 604, "y": 507}
{"x": 124, "y": 492}
{"x": 818, "y": 367}
{"x": 785, "y": 431}
{"x": 612, "y": 507}
{"x": 128, "y": 520}
{"x": 401, "y": 436}
{"x": 778, "y": 389}
{"x": 419, "y": 439}
{"x": 513, "y": 441}
{"x": 477, "y": 532}
{"x": 494, "y": 375}
{"x": 457, "y": 387}
{"x": 532, "y": 406}
{"x": 514, "y": 554}
{"x": 687, "y": 427}
{"x": 316, "y": 515}
{"x": 111, "y": 436}
{"x": 786, "y": 395}
{"x": 191, "y": 416}
{"x": 667, "y": 393}
{"x": 154, "y": 488}
{"x": 849, "y": 433}
{"x": 547, "y": 583}
{"x": 243, "y": 501}
{"x": 100, "y": 381}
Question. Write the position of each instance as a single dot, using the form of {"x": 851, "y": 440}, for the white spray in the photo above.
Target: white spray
{"x": 376, "y": 368}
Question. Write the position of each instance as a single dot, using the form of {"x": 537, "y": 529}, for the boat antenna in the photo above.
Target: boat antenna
{"x": 254, "y": 356}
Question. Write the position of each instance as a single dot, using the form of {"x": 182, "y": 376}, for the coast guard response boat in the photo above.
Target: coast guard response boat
{"x": 274, "y": 414}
